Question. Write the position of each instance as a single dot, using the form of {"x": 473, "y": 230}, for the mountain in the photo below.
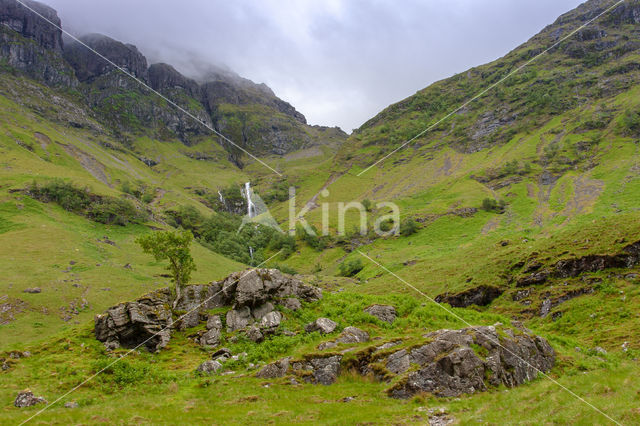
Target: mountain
{"x": 249, "y": 114}
{"x": 518, "y": 252}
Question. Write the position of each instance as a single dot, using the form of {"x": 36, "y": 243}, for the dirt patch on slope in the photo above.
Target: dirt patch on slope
{"x": 90, "y": 164}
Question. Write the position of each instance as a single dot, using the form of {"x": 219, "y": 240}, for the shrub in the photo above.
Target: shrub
{"x": 491, "y": 205}
{"x": 351, "y": 267}
{"x": 367, "y": 204}
{"x": 408, "y": 227}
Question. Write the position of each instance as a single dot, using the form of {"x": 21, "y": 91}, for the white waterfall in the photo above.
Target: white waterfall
{"x": 221, "y": 197}
{"x": 251, "y": 208}
{"x": 251, "y": 252}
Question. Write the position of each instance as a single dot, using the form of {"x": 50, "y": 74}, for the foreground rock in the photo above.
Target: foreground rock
{"x": 323, "y": 325}
{"x": 253, "y": 296}
{"x": 384, "y": 313}
{"x": 146, "y": 321}
{"x": 449, "y": 362}
{"x": 448, "y": 365}
{"x": 26, "y": 398}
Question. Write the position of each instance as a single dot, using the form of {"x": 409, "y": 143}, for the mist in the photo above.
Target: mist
{"x": 339, "y": 62}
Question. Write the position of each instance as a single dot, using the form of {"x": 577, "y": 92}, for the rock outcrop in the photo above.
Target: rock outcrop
{"x": 89, "y": 66}
{"x": 384, "y": 313}
{"x": 32, "y": 45}
{"x": 252, "y": 295}
{"x": 567, "y": 268}
{"x": 479, "y": 296}
{"x": 146, "y": 321}
{"x": 448, "y": 363}
{"x": 455, "y": 362}
{"x": 323, "y": 325}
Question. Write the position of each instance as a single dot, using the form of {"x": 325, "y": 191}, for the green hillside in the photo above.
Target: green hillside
{"x": 522, "y": 206}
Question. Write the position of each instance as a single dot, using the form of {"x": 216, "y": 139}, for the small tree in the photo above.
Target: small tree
{"x": 408, "y": 227}
{"x": 367, "y": 204}
{"x": 174, "y": 247}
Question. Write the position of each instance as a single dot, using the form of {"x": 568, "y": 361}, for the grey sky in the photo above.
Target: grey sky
{"x": 339, "y": 62}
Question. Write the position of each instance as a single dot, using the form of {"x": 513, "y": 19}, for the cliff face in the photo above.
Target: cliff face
{"x": 30, "y": 44}
{"x": 89, "y": 66}
{"x": 250, "y": 114}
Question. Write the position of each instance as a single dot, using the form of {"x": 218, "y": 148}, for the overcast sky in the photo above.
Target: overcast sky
{"x": 339, "y": 62}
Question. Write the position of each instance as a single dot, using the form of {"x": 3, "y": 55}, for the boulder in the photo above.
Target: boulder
{"x": 262, "y": 310}
{"x": 292, "y": 304}
{"x": 33, "y": 290}
{"x": 353, "y": 335}
{"x": 146, "y": 321}
{"x": 384, "y": 313}
{"x": 211, "y": 337}
{"x": 455, "y": 362}
{"x": 323, "y": 325}
{"x": 322, "y": 370}
{"x": 214, "y": 322}
{"x": 254, "y": 334}
{"x": 209, "y": 367}
{"x": 238, "y": 319}
{"x": 274, "y": 370}
{"x": 71, "y": 404}
{"x": 26, "y": 398}
{"x": 271, "y": 321}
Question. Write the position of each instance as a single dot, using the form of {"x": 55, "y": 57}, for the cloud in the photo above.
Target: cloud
{"x": 339, "y": 62}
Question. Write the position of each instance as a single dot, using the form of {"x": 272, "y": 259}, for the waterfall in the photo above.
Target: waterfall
{"x": 251, "y": 208}
{"x": 251, "y": 252}
{"x": 221, "y": 197}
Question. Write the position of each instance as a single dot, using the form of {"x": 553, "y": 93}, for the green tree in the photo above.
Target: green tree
{"x": 408, "y": 227}
{"x": 367, "y": 204}
{"x": 174, "y": 247}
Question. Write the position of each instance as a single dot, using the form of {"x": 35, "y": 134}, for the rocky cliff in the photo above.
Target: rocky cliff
{"x": 250, "y": 114}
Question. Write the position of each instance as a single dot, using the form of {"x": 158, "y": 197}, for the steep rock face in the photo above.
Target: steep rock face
{"x": 31, "y": 26}
{"x": 31, "y": 44}
{"x": 165, "y": 78}
{"x": 89, "y": 66}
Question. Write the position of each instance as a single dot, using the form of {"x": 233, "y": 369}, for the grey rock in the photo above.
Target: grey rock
{"x": 221, "y": 353}
{"x": 238, "y": 319}
{"x": 323, "y": 325}
{"x": 353, "y": 335}
{"x": 449, "y": 366}
{"x": 214, "y": 322}
{"x": 325, "y": 370}
{"x": 254, "y": 334}
{"x": 398, "y": 362}
{"x": 271, "y": 321}
{"x": 600, "y": 350}
{"x": 71, "y": 404}
{"x": 545, "y": 308}
{"x": 274, "y": 370}
{"x": 209, "y": 367}
{"x": 33, "y": 290}
{"x": 384, "y": 313}
{"x": 211, "y": 337}
{"x": 146, "y": 321}
{"x": 292, "y": 304}
{"x": 327, "y": 345}
{"x": 262, "y": 310}
{"x": 26, "y": 398}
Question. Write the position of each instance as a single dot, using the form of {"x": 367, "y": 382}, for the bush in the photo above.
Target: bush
{"x": 367, "y": 204}
{"x": 102, "y": 209}
{"x": 349, "y": 268}
{"x": 491, "y": 205}
{"x": 408, "y": 227}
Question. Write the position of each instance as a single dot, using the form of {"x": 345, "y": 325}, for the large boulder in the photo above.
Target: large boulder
{"x": 323, "y": 325}
{"x": 146, "y": 321}
{"x": 209, "y": 367}
{"x": 384, "y": 313}
{"x": 455, "y": 362}
{"x": 319, "y": 369}
{"x": 274, "y": 370}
